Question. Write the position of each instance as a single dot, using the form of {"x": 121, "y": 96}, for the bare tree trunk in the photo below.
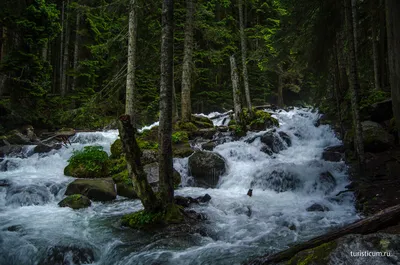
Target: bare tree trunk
{"x": 393, "y": 28}
{"x": 375, "y": 56}
{"x": 354, "y": 86}
{"x": 175, "y": 114}
{"x": 166, "y": 89}
{"x": 61, "y": 72}
{"x": 131, "y": 93}
{"x": 187, "y": 62}
{"x": 355, "y": 26}
{"x": 2, "y": 83}
{"x": 135, "y": 169}
{"x": 236, "y": 92}
{"x": 383, "y": 56}
{"x": 64, "y": 79}
{"x": 280, "y": 92}
{"x": 76, "y": 48}
{"x": 3, "y": 43}
{"x": 244, "y": 58}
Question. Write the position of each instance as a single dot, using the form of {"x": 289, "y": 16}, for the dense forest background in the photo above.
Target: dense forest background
{"x": 64, "y": 63}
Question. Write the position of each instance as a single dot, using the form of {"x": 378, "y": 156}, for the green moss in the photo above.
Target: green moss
{"x": 316, "y": 256}
{"x": 122, "y": 177}
{"x": 149, "y": 135}
{"x": 116, "y": 149}
{"x": 181, "y": 150}
{"x": 142, "y": 220}
{"x": 180, "y": 137}
{"x": 231, "y": 122}
{"x": 143, "y": 144}
{"x": 261, "y": 121}
{"x": 374, "y": 96}
{"x": 173, "y": 214}
{"x": 91, "y": 162}
{"x": 202, "y": 122}
{"x": 75, "y": 201}
{"x": 116, "y": 166}
{"x": 185, "y": 126}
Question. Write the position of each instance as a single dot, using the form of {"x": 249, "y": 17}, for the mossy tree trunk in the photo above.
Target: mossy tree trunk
{"x": 354, "y": 85}
{"x": 132, "y": 154}
{"x": 237, "y": 106}
{"x": 166, "y": 102}
{"x": 187, "y": 62}
{"x": 76, "y": 48}
{"x": 393, "y": 31}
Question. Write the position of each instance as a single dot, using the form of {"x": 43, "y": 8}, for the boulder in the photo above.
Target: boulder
{"x": 378, "y": 112}
{"x": 278, "y": 180}
{"x": 317, "y": 208}
{"x": 4, "y": 183}
{"x": 209, "y": 146}
{"x": 286, "y": 138}
{"x": 91, "y": 162}
{"x": 24, "y": 137}
{"x": 206, "y": 133}
{"x": 181, "y": 150}
{"x": 27, "y": 195}
{"x": 68, "y": 255}
{"x": 273, "y": 141}
{"x": 376, "y": 138}
{"x": 124, "y": 185}
{"x": 206, "y": 168}
{"x": 325, "y": 182}
{"x": 10, "y": 150}
{"x": 94, "y": 189}
{"x": 76, "y": 201}
{"x": 45, "y": 148}
{"x": 153, "y": 176}
{"x": 333, "y": 153}
{"x": 149, "y": 156}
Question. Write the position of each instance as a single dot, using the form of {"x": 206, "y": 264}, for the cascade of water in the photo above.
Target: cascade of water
{"x": 284, "y": 184}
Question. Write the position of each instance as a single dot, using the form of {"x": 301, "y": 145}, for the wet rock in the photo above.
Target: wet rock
{"x": 335, "y": 148}
{"x": 204, "y": 199}
{"x": 149, "y": 156}
{"x": 153, "y": 175}
{"x": 45, "y": 148}
{"x": 278, "y": 180}
{"x": 378, "y": 112}
{"x": 4, "y": 183}
{"x": 184, "y": 201}
{"x": 317, "y": 208}
{"x": 206, "y": 168}
{"x": 209, "y": 146}
{"x": 204, "y": 133}
{"x": 68, "y": 255}
{"x": 325, "y": 182}
{"x": 24, "y": 137}
{"x": 286, "y": 138}
{"x": 27, "y": 195}
{"x": 15, "y": 228}
{"x": 331, "y": 155}
{"x": 10, "y": 150}
{"x": 76, "y": 201}
{"x": 222, "y": 128}
{"x": 376, "y": 138}
{"x": 273, "y": 141}
{"x": 267, "y": 150}
{"x": 94, "y": 189}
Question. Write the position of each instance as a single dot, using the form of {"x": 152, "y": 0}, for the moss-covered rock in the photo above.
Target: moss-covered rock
{"x": 261, "y": 121}
{"x": 206, "y": 168}
{"x": 180, "y": 137}
{"x": 124, "y": 185}
{"x": 91, "y": 162}
{"x": 116, "y": 149}
{"x": 181, "y": 150}
{"x": 94, "y": 189}
{"x": 316, "y": 256}
{"x": 172, "y": 214}
{"x": 202, "y": 122}
{"x": 376, "y": 138}
{"x": 185, "y": 126}
{"x": 75, "y": 201}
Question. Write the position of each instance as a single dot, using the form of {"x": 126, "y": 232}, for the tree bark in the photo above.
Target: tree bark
{"x": 381, "y": 220}
{"x": 375, "y": 54}
{"x": 64, "y": 79}
{"x": 383, "y": 56}
{"x": 244, "y": 58}
{"x": 393, "y": 28}
{"x": 61, "y": 72}
{"x": 131, "y": 93}
{"x": 135, "y": 169}
{"x": 355, "y": 24}
{"x": 280, "y": 91}
{"x": 166, "y": 90}
{"x": 354, "y": 86}
{"x": 187, "y": 62}
{"x": 76, "y": 48}
{"x": 236, "y": 92}
{"x": 3, "y": 43}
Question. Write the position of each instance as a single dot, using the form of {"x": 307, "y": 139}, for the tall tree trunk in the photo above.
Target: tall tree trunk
{"x": 132, "y": 152}
{"x": 383, "y": 56}
{"x": 354, "y": 86}
{"x": 393, "y": 32}
{"x": 175, "y": 114}
{"x": 187, "y": 62}
{"x": 280, "y": 88}
{"x": 76, "y": 49}
{"x": 3, "y": 42}
{"x": 64, "y": 78}
{"x": 235, "y": 90}
{"x": 244, "y": 58}
{"x": 355, "y": 24}
{"x": 166, "y": 89}
{"x": 61, "y": 72}
{"x": 375, "y": 55}
{"x": 131, "y": 93}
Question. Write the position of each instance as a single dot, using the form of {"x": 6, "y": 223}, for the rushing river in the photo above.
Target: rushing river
{"x": 239, "y": 226}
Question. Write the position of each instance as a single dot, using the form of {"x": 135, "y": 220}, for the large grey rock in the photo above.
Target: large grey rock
{"x": 94, "y": 189}
{"x": 273, "y": 141}
{"x": 206, "y": 168}
{"x": 153, "y": 175}
{"x": 376, "y": 138}
{"x": 278, "y": 180}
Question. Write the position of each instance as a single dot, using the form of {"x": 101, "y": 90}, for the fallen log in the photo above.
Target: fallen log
{"x": 383, "y": 219}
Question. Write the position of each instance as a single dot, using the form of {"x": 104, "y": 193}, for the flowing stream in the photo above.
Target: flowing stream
{"x": 32, "y": 225}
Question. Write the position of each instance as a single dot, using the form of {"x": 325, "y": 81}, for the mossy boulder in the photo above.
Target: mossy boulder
{"x": 16, "y": 137}
{"x": 94, "y": 189}
{"x": 172, "y": 214}
{"x": 91, "y": 162}
{"x": 202, "y": 122}
{"x": 185, "y": 126}
{"x": 181, "y": 150}
{"x": 317, "y": 256}
{"x": 261, "y": 121}
{"x": 376, "y": 138}
{"x": 116, "y": 149}
{"x": 124, "y": 185}
{"x": 206, "y": 168}
{"x": 75, "y": 201}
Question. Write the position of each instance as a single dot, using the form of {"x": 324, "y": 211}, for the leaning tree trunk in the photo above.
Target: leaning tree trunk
{"x": 166, "y": 89}
{"x": 130, "y": 100}
{"x": 354, "y": 86}
{"x": 64, "y": 81}
{"x": 135, "y": 169}
{"x": 187, "y": 62}
{"x": 76, "y": 49}
{"x": 236, "y": 92}
{"x": 393, "y": 28}
{"x": 244, "y": 58}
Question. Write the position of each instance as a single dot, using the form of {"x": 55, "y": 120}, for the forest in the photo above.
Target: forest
{"x": 199, "y": 132}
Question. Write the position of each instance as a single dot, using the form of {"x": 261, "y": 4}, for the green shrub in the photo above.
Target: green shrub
{"x": 180, "y": 137}
{"x": 91, "y": 162}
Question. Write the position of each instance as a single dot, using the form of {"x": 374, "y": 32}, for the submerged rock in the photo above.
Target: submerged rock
{"x": 325, "y": 182}
{"x": 273, "y": 142}
{"x": 4, "y": 183}
{"x": 68, "y": 255}
{"x": 278, "y": 180}
{"x": 45, "y": 148}
{"x": 10, "y": 150}
{"x": 333, "y": 153}
{"x": 317, "y": 208}
{"x": 206, "y": 168}
{"x": 27, "y": 195}
{"x": 94, "y": 189}
{"x": 76, "y": 201}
